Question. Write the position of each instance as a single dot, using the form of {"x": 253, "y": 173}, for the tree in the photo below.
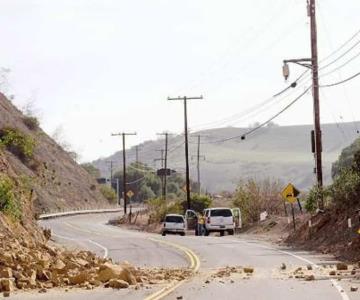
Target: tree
{"x": 346, "y": 158}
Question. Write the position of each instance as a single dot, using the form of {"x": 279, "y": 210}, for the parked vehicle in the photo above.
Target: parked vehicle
{"x": 219, "y": 219}
{"x": 173, "y": 224}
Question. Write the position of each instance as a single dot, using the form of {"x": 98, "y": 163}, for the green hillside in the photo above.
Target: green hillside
{"x": 282, "y": 152}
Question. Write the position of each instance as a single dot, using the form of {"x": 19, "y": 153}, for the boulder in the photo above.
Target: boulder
{"x": 108, "y": 271}
{"x": 7, "y": 284}
{"x": 79, "y": 278}
{"x": 118, "y": 284}
{"x": 6, "y": 272}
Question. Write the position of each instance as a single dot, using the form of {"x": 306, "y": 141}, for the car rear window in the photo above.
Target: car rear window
{"x": 174, "y": 219}
{"x": 221, "y": 213}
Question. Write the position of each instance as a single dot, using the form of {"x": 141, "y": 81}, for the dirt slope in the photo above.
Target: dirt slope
{"x": 57, "y": 180}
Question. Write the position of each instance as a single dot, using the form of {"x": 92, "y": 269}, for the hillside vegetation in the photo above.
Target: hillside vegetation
{"x": 33, "y": 166}
{"x": 281, "y": 152}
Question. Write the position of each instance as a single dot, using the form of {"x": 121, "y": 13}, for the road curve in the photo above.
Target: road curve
{"x": 142, "y": 249}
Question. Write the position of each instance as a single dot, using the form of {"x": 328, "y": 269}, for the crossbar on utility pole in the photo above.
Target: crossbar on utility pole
{"x": 164, "y": 188}
{"x": 124, "y": 134}
{"x": 185, "y": 99}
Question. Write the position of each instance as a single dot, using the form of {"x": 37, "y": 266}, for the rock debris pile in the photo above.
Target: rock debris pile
{"x": 27, "y": 265}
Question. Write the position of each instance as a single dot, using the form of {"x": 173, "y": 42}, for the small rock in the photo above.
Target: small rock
{"x": 207, "y": 281}
{"x": 6, "y": 294}
{"x": 179, "y": 297}
{"x": 249, "y": 270}
{"x": 353, "y": 289}
{"x": 42, "y": 291}
{"x": 309, "y": 267}
{"x": 341, "y": 267}
{"x": 332, "y": 273}
{"x": 283, "y": 266}
{"x": 309, "y": 277}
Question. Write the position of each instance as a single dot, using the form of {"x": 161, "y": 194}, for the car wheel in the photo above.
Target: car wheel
{"x": 182, "y": 233}
{"x": 207, "y": 232}
{"x": 231, "y": 232}
{"x": 163, "y": 234}
{"x": 222, "y": 233}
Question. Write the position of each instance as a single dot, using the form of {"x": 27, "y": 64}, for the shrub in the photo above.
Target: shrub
{"x": 254, "y": 197}
{"x": 18, "y": 143}
{"x": 159, "y": 208}
{"x": 345, "y": 190}
{"x": 198, "y": 203}
{"x": 311, "y": 202}
{"x": 8, "y": 203}
{"x": 108, "y": 193}
{"x": 31, "y": 122}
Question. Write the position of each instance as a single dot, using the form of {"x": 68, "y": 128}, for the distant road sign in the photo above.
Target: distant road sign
{"x": 290, "y": 193}
{"x": 130, "y": 193}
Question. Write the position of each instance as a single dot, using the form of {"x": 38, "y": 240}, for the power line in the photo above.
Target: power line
{"x": 242, "y": 136}
{"x": 340, "y": 82}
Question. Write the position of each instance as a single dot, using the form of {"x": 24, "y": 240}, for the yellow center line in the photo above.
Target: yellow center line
{"x": 194, "y": 267}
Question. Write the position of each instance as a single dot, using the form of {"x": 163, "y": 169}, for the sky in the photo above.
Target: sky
{"x": 96, "y": 67}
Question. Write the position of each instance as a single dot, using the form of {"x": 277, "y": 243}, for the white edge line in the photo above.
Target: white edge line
{"x": 336, "y": 285}
{"x": 106, "y": 251}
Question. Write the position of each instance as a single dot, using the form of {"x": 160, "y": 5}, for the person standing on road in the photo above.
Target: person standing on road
{"x": 201, "y": 225}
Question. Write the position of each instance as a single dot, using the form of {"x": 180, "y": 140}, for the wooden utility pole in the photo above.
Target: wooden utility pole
{"x": 111, "y": 170}
{"x": 164, "y": 188}
{"x": 315, "y": 73}
{"x": 313, "y": 64}
{"x": 185, "y": 99}
{"x": 198, "y": 157}
{"x": 124, "y": 134}
{"x": 137, "y": 154}
{"x": 162, "y": 167}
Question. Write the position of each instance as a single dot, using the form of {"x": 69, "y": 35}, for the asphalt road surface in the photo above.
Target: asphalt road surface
{"x": 143, "y": 249}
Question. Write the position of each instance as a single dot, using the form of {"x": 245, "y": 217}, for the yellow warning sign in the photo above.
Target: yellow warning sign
{"x": 290, "y": 193}
{"x": 130, "y": 193}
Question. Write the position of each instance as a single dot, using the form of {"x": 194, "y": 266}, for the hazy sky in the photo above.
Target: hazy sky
{"x": 95, "y": 67}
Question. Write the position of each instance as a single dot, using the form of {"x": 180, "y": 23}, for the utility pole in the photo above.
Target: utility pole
{"x": 315, "y": 72}
{"x": 111, "y": 170}
{"x": 162, "y": 167}
{"x": 124, "y": 134}
{"x": 137, "y": 154}
{"x": 164, "y": 188}
{"x": 313, "y": 64}
{"x": 185, "y": 99}
{"x": 198, "y": 157}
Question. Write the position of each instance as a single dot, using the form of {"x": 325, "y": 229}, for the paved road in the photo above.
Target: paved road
{"x": 91, "y": 232}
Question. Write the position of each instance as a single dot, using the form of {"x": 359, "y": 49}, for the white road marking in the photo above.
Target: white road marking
{"x": 336, "y": 285}
{"x": 106, "y": 251}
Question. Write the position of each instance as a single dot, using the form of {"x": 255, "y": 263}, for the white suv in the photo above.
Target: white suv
{"x": 173, "y": 224}
{"x": 219, "y": 220}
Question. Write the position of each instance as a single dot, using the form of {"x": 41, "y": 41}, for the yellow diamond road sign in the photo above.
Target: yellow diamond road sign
{"x": 290, "y": 193}
{"x": 130, "y": 193}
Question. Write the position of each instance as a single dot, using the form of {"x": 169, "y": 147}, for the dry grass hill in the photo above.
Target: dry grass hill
{"x": 282, "y": 152}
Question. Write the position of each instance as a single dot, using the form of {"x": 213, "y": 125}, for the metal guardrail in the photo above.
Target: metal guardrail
{"x": 78, "y": 212}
